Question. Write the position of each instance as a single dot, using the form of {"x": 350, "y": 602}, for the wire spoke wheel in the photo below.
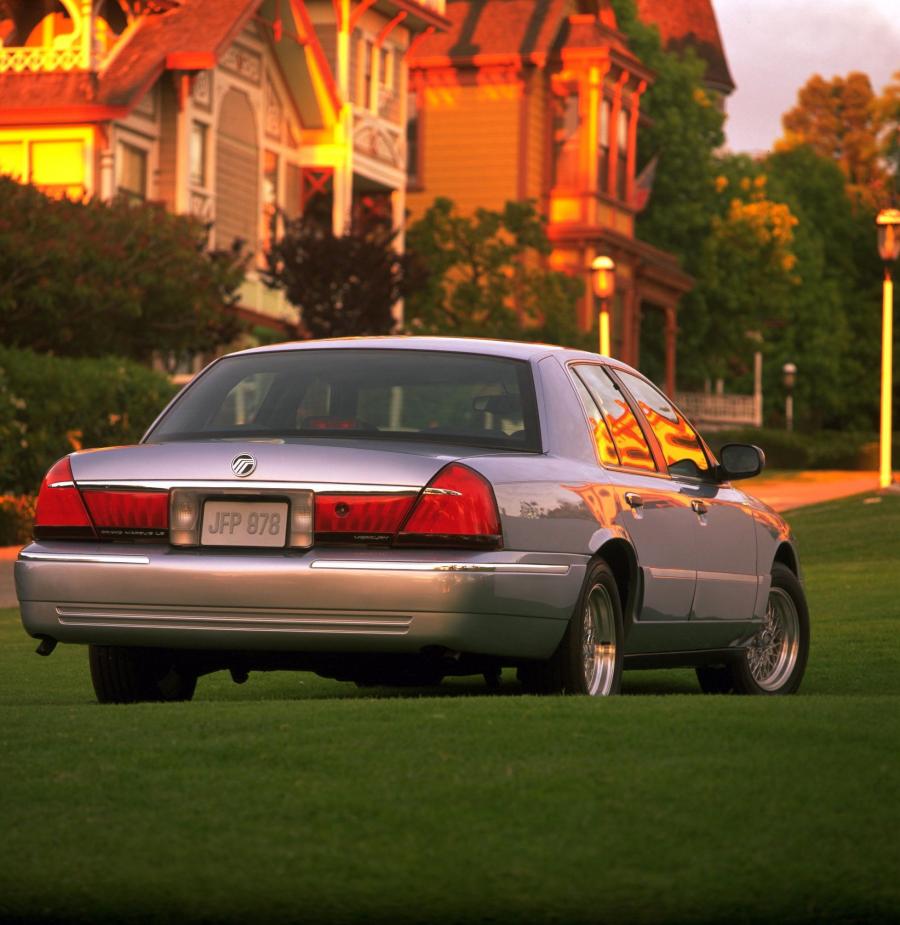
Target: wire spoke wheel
{"x": 598, "y": 648}
{"x": 773, "y": 652}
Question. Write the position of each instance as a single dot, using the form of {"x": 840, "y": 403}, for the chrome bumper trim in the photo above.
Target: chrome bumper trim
{"x": 262, "y": 486}
{"x": 114, "y": 559}
{"x": 375, "y": 565}
{"x": 238, "y": 620}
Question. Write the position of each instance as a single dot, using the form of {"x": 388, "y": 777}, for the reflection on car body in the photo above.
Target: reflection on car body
{"x": 397, "y": 510}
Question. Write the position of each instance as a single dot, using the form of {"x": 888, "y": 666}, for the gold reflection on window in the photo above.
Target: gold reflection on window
{"x": 676, "y": 437}
{"x": 626, "y": 433}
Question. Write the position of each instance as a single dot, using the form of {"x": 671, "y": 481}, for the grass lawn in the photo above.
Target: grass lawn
{"x": 296, "y": 799}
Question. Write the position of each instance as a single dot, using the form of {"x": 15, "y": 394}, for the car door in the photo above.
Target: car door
{"x": 651, "y": 509}
{"x": 722, "y": 523}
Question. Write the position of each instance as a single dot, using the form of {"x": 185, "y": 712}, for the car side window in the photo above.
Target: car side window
{"x": 622, "y": 426}
{"x": 602, "y": 438}
{"x": 680, "y": 444}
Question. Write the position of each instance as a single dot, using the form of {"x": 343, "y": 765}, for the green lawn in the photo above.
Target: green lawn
{"x": 295, "y": 799}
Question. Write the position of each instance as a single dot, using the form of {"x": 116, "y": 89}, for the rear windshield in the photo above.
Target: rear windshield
{"x": 398, "y": 394}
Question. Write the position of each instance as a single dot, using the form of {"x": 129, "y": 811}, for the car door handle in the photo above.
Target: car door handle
{"x": 634, "y": 499}
{"x": 699, "y": 506}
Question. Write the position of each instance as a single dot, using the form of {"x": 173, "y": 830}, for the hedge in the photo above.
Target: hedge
{"x": 824, "y": 449}
{"x": 51, "y": 406}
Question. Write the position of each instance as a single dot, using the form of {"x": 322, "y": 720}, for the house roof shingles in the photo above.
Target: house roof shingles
{"x": 691, "y": 24}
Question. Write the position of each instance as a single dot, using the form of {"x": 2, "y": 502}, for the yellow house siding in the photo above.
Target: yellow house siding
{"x": 470, "y": 132}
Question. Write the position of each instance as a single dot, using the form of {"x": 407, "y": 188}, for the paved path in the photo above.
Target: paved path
{"x": 798, "y": 489}
{"x": 782, "y": 493}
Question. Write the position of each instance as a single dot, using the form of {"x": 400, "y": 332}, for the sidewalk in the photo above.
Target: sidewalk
{"x": 789, "y": 490}
{"x": 781, "y": 492}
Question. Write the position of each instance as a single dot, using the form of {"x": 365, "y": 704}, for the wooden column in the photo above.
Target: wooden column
{"x": 613, "y": 166}
{"x": 634, "y": 112}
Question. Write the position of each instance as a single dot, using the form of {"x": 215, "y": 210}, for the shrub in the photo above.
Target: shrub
{"x": 51, "y": 406}
{"x": 16, "y": 518}
{"x": 824, "y": 449}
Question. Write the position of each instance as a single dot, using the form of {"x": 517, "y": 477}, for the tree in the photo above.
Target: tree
{"x": 486, "y": 276}
{"x": 887, "y": 109}
{"x": 343, "y": 286}
{"x": 95, "y": 278}
{"x": 841, "y": 119}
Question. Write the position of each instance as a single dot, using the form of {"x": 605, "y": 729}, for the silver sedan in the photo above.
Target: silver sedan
{"x": 398, "y": 510}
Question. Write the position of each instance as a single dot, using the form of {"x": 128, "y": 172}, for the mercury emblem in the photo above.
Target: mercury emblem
{"x": 243, "y": 465}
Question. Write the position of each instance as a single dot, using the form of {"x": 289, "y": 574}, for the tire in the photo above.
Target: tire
{"x": 582, "y": 664}
{"x": 122, "y": 675}
{"x": 775, "y": 659}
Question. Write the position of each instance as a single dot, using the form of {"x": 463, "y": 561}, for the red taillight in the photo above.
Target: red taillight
{"x": 456, "y": 508}
{"x": 65, "y": 512}
{"x": 60, "y": 512}
{"x": 356, "y": 516}
{"x": 129, "y": 513}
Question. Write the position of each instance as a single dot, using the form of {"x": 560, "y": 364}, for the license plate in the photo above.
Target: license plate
{"x": 244, "y": 523}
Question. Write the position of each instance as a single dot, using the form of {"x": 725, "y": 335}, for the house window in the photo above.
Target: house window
{"x": 132, "y": 171}
{"x": 270, "y": 198}
{"x": 368, "y": 65}
{"x": 387, "y": 69}
{"x": 413, "y": 146}
{"x": 292, "y": 191}
{"x": 566, "y": 137}
{"x": 197, "y": 157}
{"x": 603, "y": 152}
{"x": 622, "y": 155}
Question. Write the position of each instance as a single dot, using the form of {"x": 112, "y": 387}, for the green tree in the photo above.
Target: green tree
{"x": 95, "y": 278}
{"x": 342, "y": 285}
{"x": 486, "y": 277}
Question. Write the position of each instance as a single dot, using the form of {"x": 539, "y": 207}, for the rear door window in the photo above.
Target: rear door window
{"x": 617, "y": 435}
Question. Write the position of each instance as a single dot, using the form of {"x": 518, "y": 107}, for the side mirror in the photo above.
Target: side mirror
{"x": 740, "y": 461}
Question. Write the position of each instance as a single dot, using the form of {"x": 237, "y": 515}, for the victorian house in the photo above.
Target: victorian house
{"x": 227, "y": 109}
{"x": 543, "y": 101}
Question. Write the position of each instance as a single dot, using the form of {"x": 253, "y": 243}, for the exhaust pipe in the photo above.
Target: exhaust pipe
{"x": 46, "y": 646}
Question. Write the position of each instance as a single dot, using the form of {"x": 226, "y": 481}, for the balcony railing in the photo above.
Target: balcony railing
{"x": 712, "y": 410}
{"x": 21, "y": 59}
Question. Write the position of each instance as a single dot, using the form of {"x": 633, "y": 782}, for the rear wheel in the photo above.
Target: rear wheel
{"x": 125, "y": 675}
{"x": 775, "y": 658}
{"x": 589, "y": 658}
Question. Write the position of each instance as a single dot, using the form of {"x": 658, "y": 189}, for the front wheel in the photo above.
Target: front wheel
{"x": 589, "y": 658}
{"x": 775, "y": 658}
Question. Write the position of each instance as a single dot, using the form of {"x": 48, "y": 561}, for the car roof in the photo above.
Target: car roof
{"x": 484, "y": 346}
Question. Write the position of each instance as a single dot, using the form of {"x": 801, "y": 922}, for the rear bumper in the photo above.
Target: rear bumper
{"x": 506, "y": 604}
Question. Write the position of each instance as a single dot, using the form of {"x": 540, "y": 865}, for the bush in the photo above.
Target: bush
{"x": 16, "y": 518}
{"x": 824, "y": 449}
{"x": 51, "y": 406}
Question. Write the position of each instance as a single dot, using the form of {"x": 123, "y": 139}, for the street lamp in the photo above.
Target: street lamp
{"x": 789, "y": 377}
{"x": 603, "y": 270}
{"x": 888, "y": 224}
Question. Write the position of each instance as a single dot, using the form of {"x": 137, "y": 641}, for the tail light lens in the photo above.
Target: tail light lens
{"x": 129, "y": 514}
{"x": 456, "y": 508}
{"x": 360, "y": 518}
{"x": 65, "y": 513}
{"x": 60, "y": 512}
